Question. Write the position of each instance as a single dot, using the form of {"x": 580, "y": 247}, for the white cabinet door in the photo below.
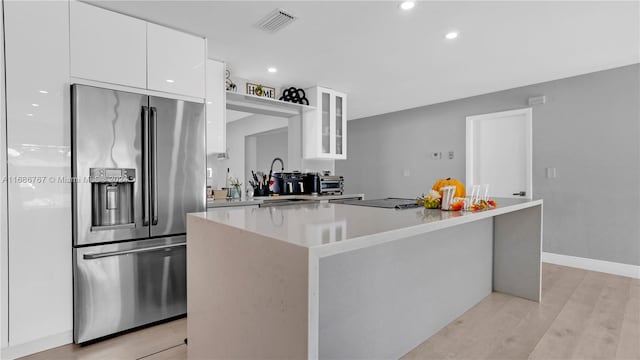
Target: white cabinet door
{"x": 176, "y": 61}
{"x": 107, "y": 46}
{"x": 325, "y": 128}
{"x": 38, "y": 141}
{"x": 216, "y": 109}
{"x": 340, "y": 125}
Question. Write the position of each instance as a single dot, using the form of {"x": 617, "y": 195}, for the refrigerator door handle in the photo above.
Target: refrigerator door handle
{"x": 131, "y": 251}
{"x": 145, "y": 166}
{"x": 154, "y": 166}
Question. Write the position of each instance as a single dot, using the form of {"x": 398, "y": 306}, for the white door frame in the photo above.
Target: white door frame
{"x": 472, "y": 120}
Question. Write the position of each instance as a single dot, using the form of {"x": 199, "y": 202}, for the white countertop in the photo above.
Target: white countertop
{"x": 330, "y": 228}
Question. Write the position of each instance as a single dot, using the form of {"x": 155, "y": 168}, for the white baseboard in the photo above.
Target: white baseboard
{"x": 32, "y": 347}
{"x": 608, "y": 267}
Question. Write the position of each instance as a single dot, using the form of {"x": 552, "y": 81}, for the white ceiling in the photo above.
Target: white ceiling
{"x": 387, "y": 59}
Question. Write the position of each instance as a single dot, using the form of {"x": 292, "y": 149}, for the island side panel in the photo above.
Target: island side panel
{"x": 517, "y": 251}
{"x": 380, "y": 302}
{"x": 247, "y": 295}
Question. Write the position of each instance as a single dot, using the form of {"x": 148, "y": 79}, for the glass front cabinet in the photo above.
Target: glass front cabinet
{"x": 325, "y": 128}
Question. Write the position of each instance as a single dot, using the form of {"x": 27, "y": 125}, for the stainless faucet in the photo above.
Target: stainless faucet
{"x": 273, "y": 162}
{"x": 271, "y": 170}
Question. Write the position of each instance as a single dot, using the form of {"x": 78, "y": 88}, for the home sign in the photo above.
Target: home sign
{"x": 261, "y": 90}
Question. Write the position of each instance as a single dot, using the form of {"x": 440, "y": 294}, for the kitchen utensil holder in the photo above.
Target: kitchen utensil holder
{"x": 261, "y": 191}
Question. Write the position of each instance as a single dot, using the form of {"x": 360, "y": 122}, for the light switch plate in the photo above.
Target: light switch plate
{"x": 537, "y": 100}
{"x": 551, "y": 173}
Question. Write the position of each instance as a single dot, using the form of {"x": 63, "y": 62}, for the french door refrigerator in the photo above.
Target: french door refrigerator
{"x": 138, "y": 166}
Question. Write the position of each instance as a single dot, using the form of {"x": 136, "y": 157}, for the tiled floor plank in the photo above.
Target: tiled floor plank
{"x": 601, "y": 335}
{"x": 523, "y": 338}
{"x": 175, "y": 353}
{"x": 562, "y": 337}
{"x": 133, "y": 345}
{"x": 629, "y": 344}
{"x": 583, "y": 314}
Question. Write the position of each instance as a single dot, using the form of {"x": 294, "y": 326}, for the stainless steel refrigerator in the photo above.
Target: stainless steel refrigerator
{"x": 138, "y": 166}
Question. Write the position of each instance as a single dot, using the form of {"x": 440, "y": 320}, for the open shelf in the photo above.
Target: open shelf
{"x": 266, "y": 106}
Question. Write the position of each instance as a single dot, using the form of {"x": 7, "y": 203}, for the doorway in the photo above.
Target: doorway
{"x": 500, "y": 152}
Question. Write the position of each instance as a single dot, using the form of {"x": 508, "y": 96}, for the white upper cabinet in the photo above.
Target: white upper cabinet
{"x": 176, "y": 61}
{"x": 107, "y": 46}
{"x": 325, "y": 128}
{"x": 216, "y": 109}
{"x": 117, "y": 49}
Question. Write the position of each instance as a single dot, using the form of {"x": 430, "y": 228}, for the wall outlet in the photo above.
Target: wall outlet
{"x": 450, "y": 155}
{"x": 406, "y": 172}
{"x": 436, "y": 155}
{"x": 551, "y": 173}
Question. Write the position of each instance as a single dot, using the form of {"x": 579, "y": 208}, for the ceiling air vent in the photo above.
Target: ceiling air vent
{"x": 276, "y": 20}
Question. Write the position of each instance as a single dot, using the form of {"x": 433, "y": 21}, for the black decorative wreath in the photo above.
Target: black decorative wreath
{"x": 230, "y": 86}
{"x": 294, "y": 95}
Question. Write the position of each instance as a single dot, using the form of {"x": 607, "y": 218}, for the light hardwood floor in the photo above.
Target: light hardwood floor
{"x": 583, "y": 315}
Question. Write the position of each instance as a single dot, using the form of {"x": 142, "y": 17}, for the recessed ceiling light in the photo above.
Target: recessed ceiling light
{"x": 43, "y": 91}
{"x": 407, "y": 5}
{"x": 451, "y": 35}
{"x": 170, "y": 81}
{"x": 209, "y": 102}
{"x": 35, "y": 105}
{"x": 272, "y": 70}
{"x": 29, "y": 114}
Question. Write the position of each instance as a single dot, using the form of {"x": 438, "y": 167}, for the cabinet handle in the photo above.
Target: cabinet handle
{"x": 132, "y": 251}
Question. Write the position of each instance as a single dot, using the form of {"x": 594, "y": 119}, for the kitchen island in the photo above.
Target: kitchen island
{"x": 335, "y": 281}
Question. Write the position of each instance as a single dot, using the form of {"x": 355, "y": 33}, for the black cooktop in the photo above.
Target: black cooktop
{"x": 388, "y": 203}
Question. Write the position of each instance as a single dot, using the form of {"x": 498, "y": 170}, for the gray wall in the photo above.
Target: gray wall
{"x": 589, "y": 130}
{"x": 269, "y": 146}
{"x": 237, "y": 132}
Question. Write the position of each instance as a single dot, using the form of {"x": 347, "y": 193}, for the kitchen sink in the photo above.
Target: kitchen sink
{"x": 285, "y": 202}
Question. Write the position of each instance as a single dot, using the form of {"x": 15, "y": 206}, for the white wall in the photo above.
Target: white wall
{"x": 589, "y": 130}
